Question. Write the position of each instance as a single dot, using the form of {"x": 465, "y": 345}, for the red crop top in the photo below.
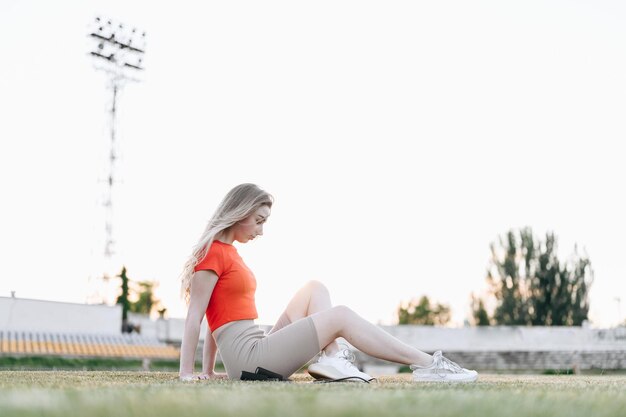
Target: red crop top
{"x": 233, "y": 295}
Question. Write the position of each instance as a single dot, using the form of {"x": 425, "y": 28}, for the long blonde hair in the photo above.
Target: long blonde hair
{"x": 240, "y": 202}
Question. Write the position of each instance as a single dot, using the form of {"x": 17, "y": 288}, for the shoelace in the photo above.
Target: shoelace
{"x": 441, "y": 362}
{"x": 348, "y": 356}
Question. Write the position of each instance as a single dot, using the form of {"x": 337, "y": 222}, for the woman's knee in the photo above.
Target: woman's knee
{"x": 334, "y": 318}
{"x": 342, "y": 313}
{"x": 314, "y": 285}
{"x": 332, "y": 323}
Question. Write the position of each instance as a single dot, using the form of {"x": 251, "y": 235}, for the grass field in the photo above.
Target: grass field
{"x": 156, "y": 394}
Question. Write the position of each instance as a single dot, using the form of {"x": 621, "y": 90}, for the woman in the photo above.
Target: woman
{"x": 216, "y": 282}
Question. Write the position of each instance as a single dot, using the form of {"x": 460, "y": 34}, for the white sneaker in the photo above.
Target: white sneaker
{"x": 442, "y": 370}
{"x": 339, "y": 367}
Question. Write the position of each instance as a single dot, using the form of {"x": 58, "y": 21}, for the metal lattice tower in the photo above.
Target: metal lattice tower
{"x": 118, "y": 51}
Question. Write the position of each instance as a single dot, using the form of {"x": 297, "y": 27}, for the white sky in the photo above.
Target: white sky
{"x": 399, "y": 139}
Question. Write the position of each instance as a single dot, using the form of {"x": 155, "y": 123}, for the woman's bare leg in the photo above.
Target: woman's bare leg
{"x": 365, "y": 336}
{"x": 310, "y": 299}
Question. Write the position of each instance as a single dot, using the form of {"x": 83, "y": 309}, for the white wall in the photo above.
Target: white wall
{"x": 21, "y": 314}
{"x": 163, "y": 329}
{"x": 510, "y": 338}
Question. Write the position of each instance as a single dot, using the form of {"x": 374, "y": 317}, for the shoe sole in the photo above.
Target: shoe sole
{"x": 328, "y": 373}
{"x": 447, "y": 378}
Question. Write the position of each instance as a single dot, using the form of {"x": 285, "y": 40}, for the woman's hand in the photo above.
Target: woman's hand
{"x": 202, "y": 376}
{"x": 212, "y": 375}
{"x": 188, "y": 377}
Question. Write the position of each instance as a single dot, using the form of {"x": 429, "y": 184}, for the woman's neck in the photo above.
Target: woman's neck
{"x": 226, "y": 236}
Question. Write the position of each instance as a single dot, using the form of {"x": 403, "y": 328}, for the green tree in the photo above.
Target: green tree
{"x": 146, "y": 300}
{"x": 422, "y": 312}
{"x": 123, "y": 298}
{"x": 532, "y": 286}
{"x": 481, "y": 317}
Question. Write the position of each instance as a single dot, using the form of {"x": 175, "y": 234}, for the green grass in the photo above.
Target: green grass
{"x": 156, "y": 394}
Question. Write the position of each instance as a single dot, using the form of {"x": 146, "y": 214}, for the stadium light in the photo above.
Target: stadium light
{"x": 118, "y": 50}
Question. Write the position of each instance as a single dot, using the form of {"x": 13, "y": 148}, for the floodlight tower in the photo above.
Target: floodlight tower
{"x": 118, "y": 51}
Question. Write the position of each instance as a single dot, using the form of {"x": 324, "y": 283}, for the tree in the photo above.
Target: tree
{"x": 143, "y": 292}
{"x": 123, "y": 299}
{"x": 533, "y": 287}
{"x": 481, "y": 317}
{"x": 146, "y": 301}
{"x": 421, "y": 312}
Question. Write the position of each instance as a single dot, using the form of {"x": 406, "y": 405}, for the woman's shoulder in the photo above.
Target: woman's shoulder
{"x": 218, "y": 256}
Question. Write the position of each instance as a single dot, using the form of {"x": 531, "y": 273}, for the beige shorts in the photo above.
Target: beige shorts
{"x": 244, "y": 346}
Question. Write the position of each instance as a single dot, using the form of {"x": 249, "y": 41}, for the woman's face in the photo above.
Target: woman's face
{"x": 251, "y": 226}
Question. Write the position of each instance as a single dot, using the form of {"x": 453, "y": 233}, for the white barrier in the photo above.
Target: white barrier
{"x": 53, "y": 316}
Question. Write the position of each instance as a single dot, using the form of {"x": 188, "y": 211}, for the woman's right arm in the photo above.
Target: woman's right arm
{"x": 202, "y": 284}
